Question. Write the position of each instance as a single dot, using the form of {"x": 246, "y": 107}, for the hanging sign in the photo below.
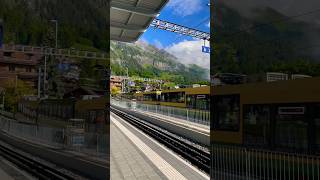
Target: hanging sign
{"x": 205, "y": 49}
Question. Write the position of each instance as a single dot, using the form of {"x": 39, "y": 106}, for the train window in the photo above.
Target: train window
{"x": 256, "y": 125}
{"x": 191, "y": 101}
{"x": 226, "y": 112}
{"x": 177, "y": 97}
{"x": 198, "y": 101}
{"x": 291, "y": 128}
{"x": 316, "y": 128}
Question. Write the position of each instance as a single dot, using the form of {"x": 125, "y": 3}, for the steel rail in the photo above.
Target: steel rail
{"x": 32, "y": 166}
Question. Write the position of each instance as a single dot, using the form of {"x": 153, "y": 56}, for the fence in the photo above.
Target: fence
{"x": 55, "y": 52}
{"x": 7, "y": 114}
{"x": 193, "y": 115}
{"x": 230, "y": 162}
{"x": 91, "y": 143}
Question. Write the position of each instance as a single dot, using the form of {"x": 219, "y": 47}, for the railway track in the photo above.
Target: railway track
{"x": 195, "y": 156}
{"x": 35, "y": 168}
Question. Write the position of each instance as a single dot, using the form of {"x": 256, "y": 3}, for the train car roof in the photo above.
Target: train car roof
{"x": 92, "y": 104}
{"x": 290, "y": 91}
{"x": 191, "y": 90}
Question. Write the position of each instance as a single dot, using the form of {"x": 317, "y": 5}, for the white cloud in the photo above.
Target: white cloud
{"x": 142, "y": 40}
{"x": 185, "y": 7}
{"x": 158, "y": 44}
{"x": 208, "y": 25}
{"x": 189, "y": 52}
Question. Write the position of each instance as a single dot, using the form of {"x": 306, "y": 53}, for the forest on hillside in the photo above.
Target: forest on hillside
{"x": 82, "y": 24}
{"x": 267, "y": 41}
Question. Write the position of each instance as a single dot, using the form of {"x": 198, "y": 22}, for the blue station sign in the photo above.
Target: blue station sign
{"x": 205, "y": 49}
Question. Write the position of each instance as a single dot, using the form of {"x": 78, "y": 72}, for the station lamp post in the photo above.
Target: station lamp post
{"x": 1, "y": 33}
{"x": 56, "y": 23}
{"x": 3, "y": 97}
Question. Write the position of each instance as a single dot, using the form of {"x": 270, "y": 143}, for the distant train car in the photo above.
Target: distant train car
{"x": 152, "y": 97}
{"x": 198, "y": 98}
{"x": 28, "y": 108}
{"x": 174, "y": 97}
{"x": 194, "y": 98}
{"x": 56, "y": 109}
{"x": 91, "y": 110}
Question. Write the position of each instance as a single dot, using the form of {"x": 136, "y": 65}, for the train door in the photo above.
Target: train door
{"x": 291, "y": 126}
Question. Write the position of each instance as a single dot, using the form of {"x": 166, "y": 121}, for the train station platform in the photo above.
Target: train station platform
{"x": 4, "y": 175}
{"x": 135, "y": 155}
{"x": 197, "y": 133}
{"x": 181, "y": 122}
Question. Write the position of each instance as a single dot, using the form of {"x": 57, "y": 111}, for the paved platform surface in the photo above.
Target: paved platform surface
{"x": 8, "y": 171}
{"x": 135, "y": 155}
{"x": 5, "y": 175}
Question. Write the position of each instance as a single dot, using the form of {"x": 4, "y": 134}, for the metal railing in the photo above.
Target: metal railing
{"x": 231, "y": 162}
{"x": 54, "y": 52}
{"x": 93, "y": 143}
{"x": 192, "y": 115}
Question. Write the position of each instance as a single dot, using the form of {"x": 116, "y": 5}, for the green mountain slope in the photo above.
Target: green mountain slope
{"x": 266, "y": 41}
{"x": 82, "y": 23}
{"x": 147, "y": 61}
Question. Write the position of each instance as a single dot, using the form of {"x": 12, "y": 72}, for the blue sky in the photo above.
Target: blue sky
{"x": 190, "y": 13}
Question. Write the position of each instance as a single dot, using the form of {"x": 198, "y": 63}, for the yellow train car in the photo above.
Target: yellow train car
{"x": 195, "y": 98}
{"x": 152, "y": 97}
{"x": 266, "y": 130}
{"x": 174, "y": 98}
{"x": 94, "y": 111}
{"x": 281, "y": 115}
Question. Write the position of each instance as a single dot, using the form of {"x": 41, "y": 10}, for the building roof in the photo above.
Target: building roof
{"x": 129, "y": 19}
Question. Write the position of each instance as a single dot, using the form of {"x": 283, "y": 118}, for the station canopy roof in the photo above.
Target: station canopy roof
{"x": 129, "y": 19}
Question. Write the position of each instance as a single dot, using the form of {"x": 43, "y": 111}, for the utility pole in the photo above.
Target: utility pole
{"x": 3, "y": 94}
{"x": 56, "y": 31}
{"x": 126, "y": 84}
{"x": 123, "y": 85}
{"x": 16, "y": 83}
{"x": 127, "y": 72}
{"x": 1, "y": 33}
{"x": 39, "y": 82}
{"x": 44, "y": 75}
